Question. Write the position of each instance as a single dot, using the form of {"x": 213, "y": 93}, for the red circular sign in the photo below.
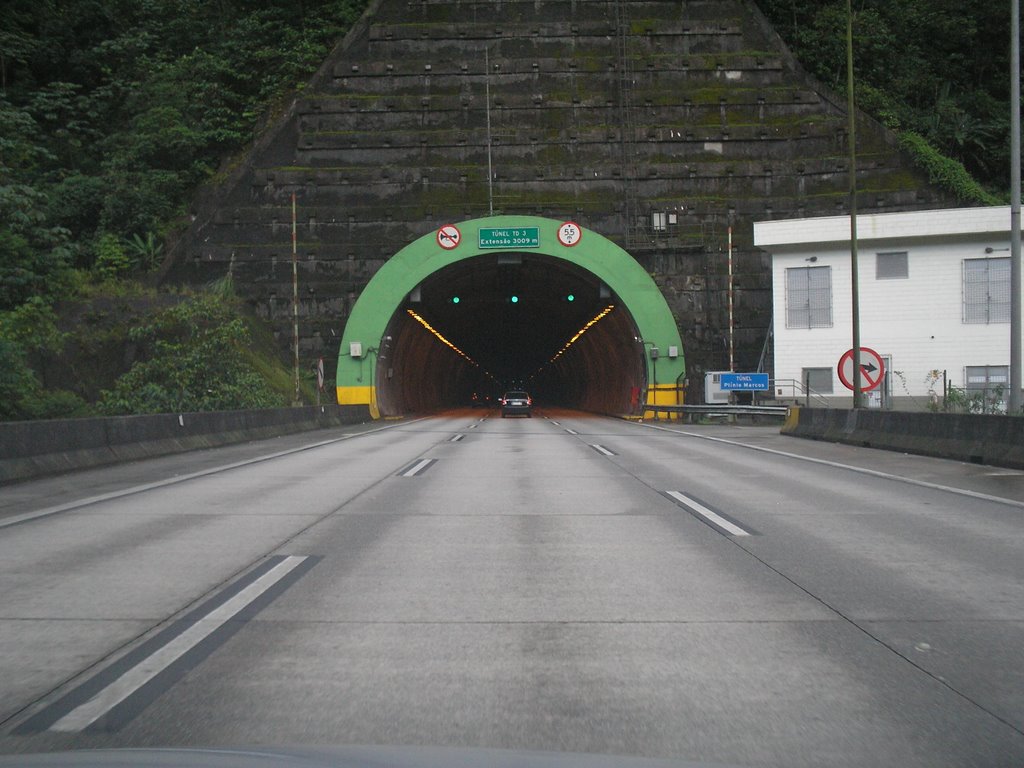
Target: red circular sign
{"x": 569, "y": 233}
{"x": 872, "y": 370}
{"x": 449, "y": 236}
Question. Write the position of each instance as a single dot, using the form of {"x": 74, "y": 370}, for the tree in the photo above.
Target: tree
{"x": 193, "y": 360}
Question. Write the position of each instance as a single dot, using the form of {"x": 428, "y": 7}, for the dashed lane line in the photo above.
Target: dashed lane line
{"x": 850, "y": 467}
{"x": 708, "y": 515}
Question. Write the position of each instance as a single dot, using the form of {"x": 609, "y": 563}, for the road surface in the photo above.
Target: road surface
{"x": 565, "y": 583}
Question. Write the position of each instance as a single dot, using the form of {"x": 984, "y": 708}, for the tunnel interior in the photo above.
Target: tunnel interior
{"x": 499, "y": 321}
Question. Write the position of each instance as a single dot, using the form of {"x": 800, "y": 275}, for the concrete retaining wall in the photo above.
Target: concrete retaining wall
{"x": 981, "y": 439}
{"x": 34, "y": 448}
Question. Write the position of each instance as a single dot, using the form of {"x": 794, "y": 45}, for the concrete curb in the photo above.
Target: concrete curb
{"x": 976, "y": 438}
{"x": 35, "y": 448}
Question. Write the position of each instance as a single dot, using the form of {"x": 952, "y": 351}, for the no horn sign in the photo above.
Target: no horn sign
{"x": 449, "y": 236}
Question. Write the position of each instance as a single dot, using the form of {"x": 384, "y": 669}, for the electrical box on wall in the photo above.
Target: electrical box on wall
{"x": 355, "y": 348}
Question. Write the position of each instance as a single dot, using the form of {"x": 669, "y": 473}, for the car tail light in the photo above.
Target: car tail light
{"x": 529, "y": 401}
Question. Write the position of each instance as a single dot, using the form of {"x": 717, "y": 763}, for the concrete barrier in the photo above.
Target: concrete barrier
{"x": 35, "y": 448}
{"x": 981, "y": 439}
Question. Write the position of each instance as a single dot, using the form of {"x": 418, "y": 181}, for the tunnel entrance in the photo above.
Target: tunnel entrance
{"x": 462, "y": 314}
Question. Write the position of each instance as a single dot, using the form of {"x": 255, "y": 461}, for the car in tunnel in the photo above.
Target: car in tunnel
{"x": 516, "y": 403}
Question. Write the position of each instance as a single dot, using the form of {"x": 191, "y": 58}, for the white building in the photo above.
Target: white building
{"x": 934, "y": 298}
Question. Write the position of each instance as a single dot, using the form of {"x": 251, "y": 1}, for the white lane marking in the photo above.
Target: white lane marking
{"x": 571, "y": 432}
{"x": 68, "y": 506}
{"x": 837, "y": 465}
{"x": 418, "y": 467}
{"x": 700, "y": 509}
{"x": 554, "y": 422}
{"x": 120, "y": 689}
{"x": 456, "y": 438}
{"x": 471, "y": 426}
{"x": 602, "y": 449}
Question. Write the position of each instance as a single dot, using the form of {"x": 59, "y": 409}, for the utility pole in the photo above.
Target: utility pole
{"x": 1014, "y": 401}
{"x": 295, "y": 301}
{"x": 858, "y": 395}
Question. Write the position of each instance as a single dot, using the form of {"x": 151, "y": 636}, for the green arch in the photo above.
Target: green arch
{"x": 388, "y": 289}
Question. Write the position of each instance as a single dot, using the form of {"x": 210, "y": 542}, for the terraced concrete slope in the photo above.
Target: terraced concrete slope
{"x": 657, "y": 124}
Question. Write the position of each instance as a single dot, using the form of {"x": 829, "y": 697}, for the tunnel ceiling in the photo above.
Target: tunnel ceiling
{"x": 510, "y": 312}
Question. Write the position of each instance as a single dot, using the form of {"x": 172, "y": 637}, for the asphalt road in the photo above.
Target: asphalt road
{"x": 566, "y": 583}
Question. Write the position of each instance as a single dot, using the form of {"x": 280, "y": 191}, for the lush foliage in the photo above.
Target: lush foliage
{"x": 938, "y": 68}
{"x": 193, "y": 357}
{"x": 945, "y": 171}
{"x": 112, "y": 111}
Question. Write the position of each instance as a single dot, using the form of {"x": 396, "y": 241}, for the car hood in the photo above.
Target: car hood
{"x": 337, "y": 757}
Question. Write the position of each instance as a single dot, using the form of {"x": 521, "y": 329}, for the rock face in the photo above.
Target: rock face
{"x": 658, "y": 124}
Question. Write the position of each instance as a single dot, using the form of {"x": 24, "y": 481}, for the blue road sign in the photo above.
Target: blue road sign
{"x": 744, "y": 382}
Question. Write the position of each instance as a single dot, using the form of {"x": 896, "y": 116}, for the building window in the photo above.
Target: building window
{"x": 986, "y": 387}
{"x": 658, "y": 221}
{"x": 817, "y": 380}
{"x": 809, "y": 297}
{"x": 891, "y": 266}
{"x": 987, "y": 290}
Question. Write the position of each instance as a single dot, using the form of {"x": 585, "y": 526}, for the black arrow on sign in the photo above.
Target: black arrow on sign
{"x": 870, "y": 367}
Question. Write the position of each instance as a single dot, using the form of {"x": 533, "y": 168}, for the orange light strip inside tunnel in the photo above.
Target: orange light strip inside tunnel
{"x": 598, "y": 317}
{"x": 590, "y": 323}
{"x": 441, "y": 338}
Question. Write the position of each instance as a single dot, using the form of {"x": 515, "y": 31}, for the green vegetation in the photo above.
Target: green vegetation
{"x": 935, "y": 71}
{"x": 111, "y": 113}
{"x": 194, "y": 356}
{"x": 946, "y": 171}
{"x": 117, "y": 347}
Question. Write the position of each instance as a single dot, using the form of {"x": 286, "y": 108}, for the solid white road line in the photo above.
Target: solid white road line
{"x": 47, "y": 511}
{"x": 85, "y": 714}
{"x": 850, "y": 467}
{"x": 700, "y": 509}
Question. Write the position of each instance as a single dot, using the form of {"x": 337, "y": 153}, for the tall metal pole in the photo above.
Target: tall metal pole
{"x": 295, "y": 299}
{"x": 1014, "y": 402}
{"x": 858, "y": 395}
{"x": 732, "y": 345}
{"x": 490, "y": 170}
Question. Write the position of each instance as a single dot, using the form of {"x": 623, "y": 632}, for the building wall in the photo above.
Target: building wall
{"x": 917, "y": 321}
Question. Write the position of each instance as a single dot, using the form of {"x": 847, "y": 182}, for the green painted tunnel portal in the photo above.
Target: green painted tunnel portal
{"x": 484, "y": 305}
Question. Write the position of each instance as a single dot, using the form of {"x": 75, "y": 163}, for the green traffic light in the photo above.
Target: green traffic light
{"x": 515, "y": 299}
{"x": 571, "y": 297}
{"x": 455, "y": 299}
